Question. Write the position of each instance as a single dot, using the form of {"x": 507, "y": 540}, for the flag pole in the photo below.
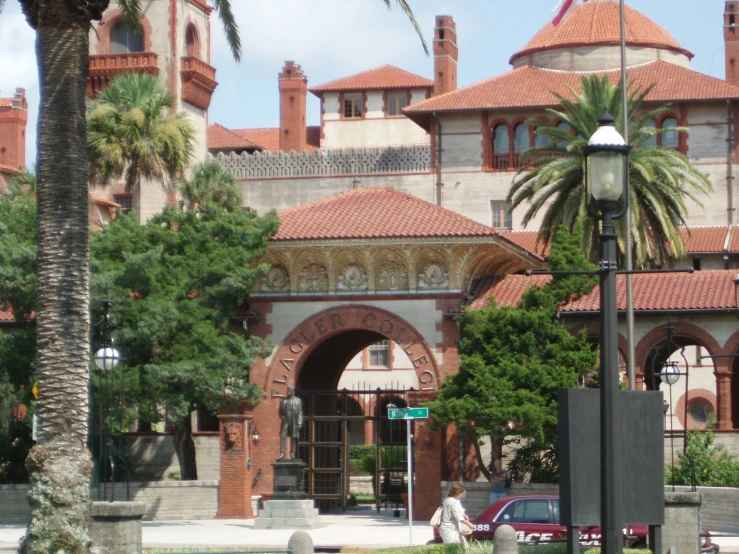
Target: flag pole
{"x": 630, "y": 362}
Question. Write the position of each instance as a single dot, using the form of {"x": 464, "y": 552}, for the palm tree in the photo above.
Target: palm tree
{"x": 210, "y": 183}
{"x": 130, "y": 135}
{"x": 24, "y": 182}
{"x": 60, "y": 465}
{"x": 662, "y": 179}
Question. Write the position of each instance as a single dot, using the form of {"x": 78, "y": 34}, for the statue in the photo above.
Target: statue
{"x": 291, "y": 414}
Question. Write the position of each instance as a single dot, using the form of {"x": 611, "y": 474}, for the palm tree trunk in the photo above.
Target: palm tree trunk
{"x": 184, "y": 447}
{"x": 59, "y": 465}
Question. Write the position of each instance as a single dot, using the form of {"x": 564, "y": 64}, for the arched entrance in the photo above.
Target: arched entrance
{"x": 313, "y": 356}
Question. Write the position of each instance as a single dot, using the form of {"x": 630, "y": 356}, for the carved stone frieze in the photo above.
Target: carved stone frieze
{"x": 276, "y": 280}
{"x": 392, "y": 275}
{"x": 433, "y": 276}
{"x": 313, "y": 278}
{"x": 352, "y": 278}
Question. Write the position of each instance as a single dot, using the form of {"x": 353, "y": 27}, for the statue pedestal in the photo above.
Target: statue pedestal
{"x": 289, "y": 507}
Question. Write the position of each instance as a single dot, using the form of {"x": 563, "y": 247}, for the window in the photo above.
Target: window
{"x": 379, "y": 354}
{"x": 125, "y": 201}
{"x": 699, "y": 412}
{"x": 123, "y": 40}
{"x": 542, "y": 141}
{"x": 352, "y": 106}
{"x": 501, "y": 217}
{"x": 501, "y": 147}
{"x": 396, "y": 101}
{"x": 565, "y": 126}
{"x": 669, "y": 137}
{"x": 652, "y": 141}
{"x": 526, "y": 511}
{"x": 191, "y": 42}
{"x": 521, "y": 138}
{"x": 697, "y": 264}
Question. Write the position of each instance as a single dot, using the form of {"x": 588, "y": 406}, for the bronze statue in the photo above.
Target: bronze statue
{"x": 291, "y": 414}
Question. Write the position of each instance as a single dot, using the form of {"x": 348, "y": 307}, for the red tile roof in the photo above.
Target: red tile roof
{"x": 6, "y": 102}
{"x": 598, "y": 23}
{"x": 702, "y": 290}
{"x": 527, "y": 87}
{"x": 526, "y": 240}
{"x": 104, "y": 202}
{"x": 374, "y": 212}
{"x": 383, "y": 77}
{"x": 734, "y": 240}
{"x": 220, "y": 138}
{"x": 268, "y": 138}
{"x": 705, "y": 239}
{"x": 6, "y": 316}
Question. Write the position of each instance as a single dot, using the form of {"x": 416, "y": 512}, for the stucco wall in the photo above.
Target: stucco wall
{"x": 153, "y": 456}
{"x": 598, "y": 58}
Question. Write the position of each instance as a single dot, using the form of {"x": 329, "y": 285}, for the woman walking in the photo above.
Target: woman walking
{"x": 453, "y": 517}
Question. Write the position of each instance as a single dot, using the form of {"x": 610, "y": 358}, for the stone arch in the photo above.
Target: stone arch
{"x": 686, "y": 331}
{"x": 110, "y": 21}
{"x": 289, "y": 357}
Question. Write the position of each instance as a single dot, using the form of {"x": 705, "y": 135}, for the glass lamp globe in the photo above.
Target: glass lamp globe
{"x": 607, "y": 151}
{"x": 107, "y": 358}
{"x": 670, "y": 373}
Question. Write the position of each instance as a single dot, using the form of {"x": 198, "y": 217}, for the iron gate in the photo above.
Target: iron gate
{"x": 333, "y": 421}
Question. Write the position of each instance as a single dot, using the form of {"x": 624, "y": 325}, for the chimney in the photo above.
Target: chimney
{"x": 13, "y": 117}
{"x": 731, "y": 40}
{"x": 293, "y": 86}
{"x": 445, "y": 55}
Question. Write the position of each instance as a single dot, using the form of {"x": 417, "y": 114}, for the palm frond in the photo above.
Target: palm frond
{"x": 230, "y": 27}
{"x": 130, "y": 13}
{"x": 406, "y": 9}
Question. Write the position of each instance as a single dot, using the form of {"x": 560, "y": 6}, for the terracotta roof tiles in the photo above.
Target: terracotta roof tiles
{"x": 383, "y": 77}
{"x": 598, "y": 23}
{"x": 221, "y": 138}
{"x": 734, "y": 240}
{"x": 710, "y": 239}
{"x": 529, "y": 87}
{"x": 268, "y": 138}
{"x": 6, "y": 316}
{"x": 701, "y": 290}
{"x": 374, "y": 212}
{"x": 526, "y": 240}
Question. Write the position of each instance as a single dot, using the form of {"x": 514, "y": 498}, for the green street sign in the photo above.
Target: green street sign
{"x": 408, "y": 413}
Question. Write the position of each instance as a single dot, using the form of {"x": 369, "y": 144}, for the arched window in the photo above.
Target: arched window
{"x": 501, "y": 147}
{"x": 653, "y": 140}
{"x": 192, "y": 46}
{"x": 521, "y": 139}
{"x": 124, "y": 40}
{"x": 565, "y": 127}
{"x": 669, "y": 136}
{"x": 542, "y": 141}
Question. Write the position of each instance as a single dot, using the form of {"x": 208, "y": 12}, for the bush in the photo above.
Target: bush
{"x": 714, "y": 466}
{"x": 358, "y": 451}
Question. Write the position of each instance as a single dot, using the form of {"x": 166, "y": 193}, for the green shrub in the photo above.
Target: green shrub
{"x": 358, "y": 451}
{"x": 714, "y": 466}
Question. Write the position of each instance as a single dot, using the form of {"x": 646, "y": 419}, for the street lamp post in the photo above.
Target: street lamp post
{"x": 604, "y": 175}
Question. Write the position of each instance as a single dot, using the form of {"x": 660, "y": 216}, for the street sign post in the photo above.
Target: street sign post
{"x": 409, "y": 414}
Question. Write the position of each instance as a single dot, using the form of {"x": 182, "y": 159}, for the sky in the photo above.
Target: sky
{"x": 335, "y": 38}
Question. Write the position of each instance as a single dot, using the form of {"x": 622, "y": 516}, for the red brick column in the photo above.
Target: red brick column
{"x": 234, "y": 497}
{"x": 723, "y": 393}
{"x": 427, "y": 462}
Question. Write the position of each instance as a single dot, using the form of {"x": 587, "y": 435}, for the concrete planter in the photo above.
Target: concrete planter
{"x": 116, "y": 527}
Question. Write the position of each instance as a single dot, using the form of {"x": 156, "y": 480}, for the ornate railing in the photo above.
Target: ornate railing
{"x": 414, "y": 158}
{"x": 198, "y": 81}
{"x": 102, "y": 68}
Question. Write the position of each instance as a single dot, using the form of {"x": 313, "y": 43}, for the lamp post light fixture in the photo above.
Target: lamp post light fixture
{"x": 606, "y": 160}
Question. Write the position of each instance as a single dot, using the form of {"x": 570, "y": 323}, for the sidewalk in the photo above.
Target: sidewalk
{"x": 361, "y": 528}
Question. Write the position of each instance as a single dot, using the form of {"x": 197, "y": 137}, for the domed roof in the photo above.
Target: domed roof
{"x": 597, "y": 23}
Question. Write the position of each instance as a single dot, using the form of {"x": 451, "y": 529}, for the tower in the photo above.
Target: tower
{"x": 731, "y": 40}
{"x": 446, "y": 54}
{"x": 13, "y": 117}
{"x": 293, "y": 86}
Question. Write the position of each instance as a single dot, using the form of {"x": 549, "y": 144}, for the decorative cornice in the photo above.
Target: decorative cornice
{"x": 198, "y": 82}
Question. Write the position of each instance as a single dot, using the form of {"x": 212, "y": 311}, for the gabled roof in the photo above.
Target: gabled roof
{"x": 268, "y": 138}
{"x": 701, "y": 290}
{"x": 530, "y": 87}
{"x": 597, "y": 23}
{"x": 526, "y": 240}
{"x": 372, "y": 213}
{"x": 383, "y": 77}
{"x": 221, "y": 138}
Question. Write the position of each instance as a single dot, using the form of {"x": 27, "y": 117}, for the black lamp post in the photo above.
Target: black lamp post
{"x": 606, "y": 158}
{"x": 106, "y": 359}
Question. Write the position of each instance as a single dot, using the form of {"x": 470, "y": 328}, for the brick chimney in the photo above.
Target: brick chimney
{"x": 731, "y": 40}
{"x": 293, "y": 86}
{"x": 445, "y": 55}
{"x": 13, "y": 117}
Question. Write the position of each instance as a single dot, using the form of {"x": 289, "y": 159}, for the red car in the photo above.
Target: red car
{"x": 536, "y": 519}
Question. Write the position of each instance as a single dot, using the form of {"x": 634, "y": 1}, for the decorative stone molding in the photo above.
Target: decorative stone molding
{"x": 352, "y": 278}
{"x": 103, "y": 68}
{"x": 346, "y": 161}
{"x": 276, "y": 280}
{"x": 433, "y": 276}
{"x": 313, "y": 278}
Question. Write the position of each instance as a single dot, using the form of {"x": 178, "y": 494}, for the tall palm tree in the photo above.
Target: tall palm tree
{"x": 130, "y": 135}
{"x": 60, "y": 463}
{"x": 25, "y": 181}
{"x": 210, "y": 183}
{"x": 662, "y": 179}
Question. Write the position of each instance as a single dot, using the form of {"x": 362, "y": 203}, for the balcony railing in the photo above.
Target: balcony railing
{"x": 510, "y": 162}
{"x": 104, "y": 67}
{"x": 198, "y": 81}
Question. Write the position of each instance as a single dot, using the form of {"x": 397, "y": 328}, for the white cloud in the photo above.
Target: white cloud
{"x": 18, "y": 67}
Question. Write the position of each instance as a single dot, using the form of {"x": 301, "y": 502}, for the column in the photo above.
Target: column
{"x": 234, "y": 497}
